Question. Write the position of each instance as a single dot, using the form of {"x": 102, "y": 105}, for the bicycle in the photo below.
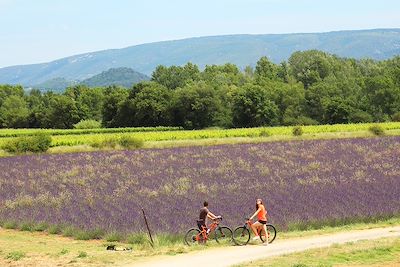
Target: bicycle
{"x": 241, "y": 235}
{"x": 222, "y": 234}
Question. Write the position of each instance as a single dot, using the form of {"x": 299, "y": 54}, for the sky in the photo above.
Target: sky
{"x": 35, "y": 31}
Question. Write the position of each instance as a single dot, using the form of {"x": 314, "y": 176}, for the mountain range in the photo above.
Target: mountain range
{"x": 241, "y": 50}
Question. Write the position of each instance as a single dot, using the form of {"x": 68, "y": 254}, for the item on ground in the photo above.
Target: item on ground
{"x": 116, "y": 248}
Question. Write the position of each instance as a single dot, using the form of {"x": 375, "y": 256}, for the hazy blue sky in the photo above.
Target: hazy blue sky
{"x": 33, "y": 31}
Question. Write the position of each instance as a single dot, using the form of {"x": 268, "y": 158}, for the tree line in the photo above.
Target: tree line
{"x": 312, "y": 87}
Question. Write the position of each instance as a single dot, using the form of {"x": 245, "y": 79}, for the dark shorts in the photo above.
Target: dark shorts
{"x": 262, "y": 222}
{"x": 201, "y": 224}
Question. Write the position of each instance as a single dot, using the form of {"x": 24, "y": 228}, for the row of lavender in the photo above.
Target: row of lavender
{"x": 300, "y": 181}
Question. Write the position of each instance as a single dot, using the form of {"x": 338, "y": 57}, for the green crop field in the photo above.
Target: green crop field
{"x": 75, "y": 137}
{"x": 91, "y": 137}
{"x": 53, "y": 132}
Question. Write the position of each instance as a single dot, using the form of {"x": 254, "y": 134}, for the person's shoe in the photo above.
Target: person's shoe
{"x": 256, "y": 238}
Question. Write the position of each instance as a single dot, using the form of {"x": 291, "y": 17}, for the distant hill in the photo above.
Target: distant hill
{"x": 116, "y": 76}
{"x": 56, "y": 84}
{"x": 238, "y": 49}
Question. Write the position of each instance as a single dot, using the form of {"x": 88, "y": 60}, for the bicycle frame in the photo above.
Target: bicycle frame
{"x": 203, "y": 233}
{"x": 248, "y": 225}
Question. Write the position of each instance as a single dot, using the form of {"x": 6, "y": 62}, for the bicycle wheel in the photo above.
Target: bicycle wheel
{"x": 241, "y": 236}
{"x": 223, "y": 235}
{"x": 271, "y": 234}
{"x": 193, "y": 237}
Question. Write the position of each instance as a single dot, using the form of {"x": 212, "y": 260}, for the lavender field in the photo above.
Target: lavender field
{"x": 300, "y": 181}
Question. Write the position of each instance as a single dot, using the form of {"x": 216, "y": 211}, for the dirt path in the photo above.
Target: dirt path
{"x": 229, "y": 256}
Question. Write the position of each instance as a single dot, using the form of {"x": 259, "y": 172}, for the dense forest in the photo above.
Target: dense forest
{"x": 312, "y": 87}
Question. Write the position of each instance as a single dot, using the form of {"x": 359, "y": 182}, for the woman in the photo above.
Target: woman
{"x": 261, "y": 214}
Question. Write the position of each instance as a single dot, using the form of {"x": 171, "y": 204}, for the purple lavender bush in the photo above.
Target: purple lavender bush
{"x": 301, "y": 182}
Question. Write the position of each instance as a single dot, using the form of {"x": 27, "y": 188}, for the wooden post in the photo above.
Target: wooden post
{"x": 148, "y": 228}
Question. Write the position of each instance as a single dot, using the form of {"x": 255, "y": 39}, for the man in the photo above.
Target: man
{"x": 204, "y": 214}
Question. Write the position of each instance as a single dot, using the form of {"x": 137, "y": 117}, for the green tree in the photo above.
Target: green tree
{"x": 149, "y": 104}
{"x": 311, "y": 66}
{"x": 175, "y": 76}
{"x": 348, "y": 88}
{"x": 62, "y": 113}
{"x": 291, "y": 103}
{"x": 114, "y": 98}
{"x": 392, "y": 67}
{"x": 41, "y": 112}
{"x": 266, "y": 69}
{"x": 196, "y": 106}
{"x": 283, "y": 72}
{"x": 369, "y": 68}
{"x": 227, "y": 74}
{"x": 89, "y": 101}
{"x": 253, "y": 106}
{"x": 383, "y": 96}
{"x": 248, "y": 72}
{"x": 9, "y": 90}
{"x": 336, "y": 110}
{"x": 14, "y": 112}
{"x": 35, "y": 105}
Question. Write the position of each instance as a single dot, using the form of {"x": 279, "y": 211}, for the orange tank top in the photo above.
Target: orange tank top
{"x": 262, "y": 215}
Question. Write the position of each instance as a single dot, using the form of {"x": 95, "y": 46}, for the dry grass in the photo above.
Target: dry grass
{"x": 42, "y": 249}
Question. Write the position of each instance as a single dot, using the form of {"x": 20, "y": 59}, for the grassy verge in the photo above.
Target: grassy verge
{"x": 165, "y": 239}
{"x": 325, "y": 230}
{"x": 33, "y": 246}
{"x": 381, "y": 252}
{"x": 22, "y": 248}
